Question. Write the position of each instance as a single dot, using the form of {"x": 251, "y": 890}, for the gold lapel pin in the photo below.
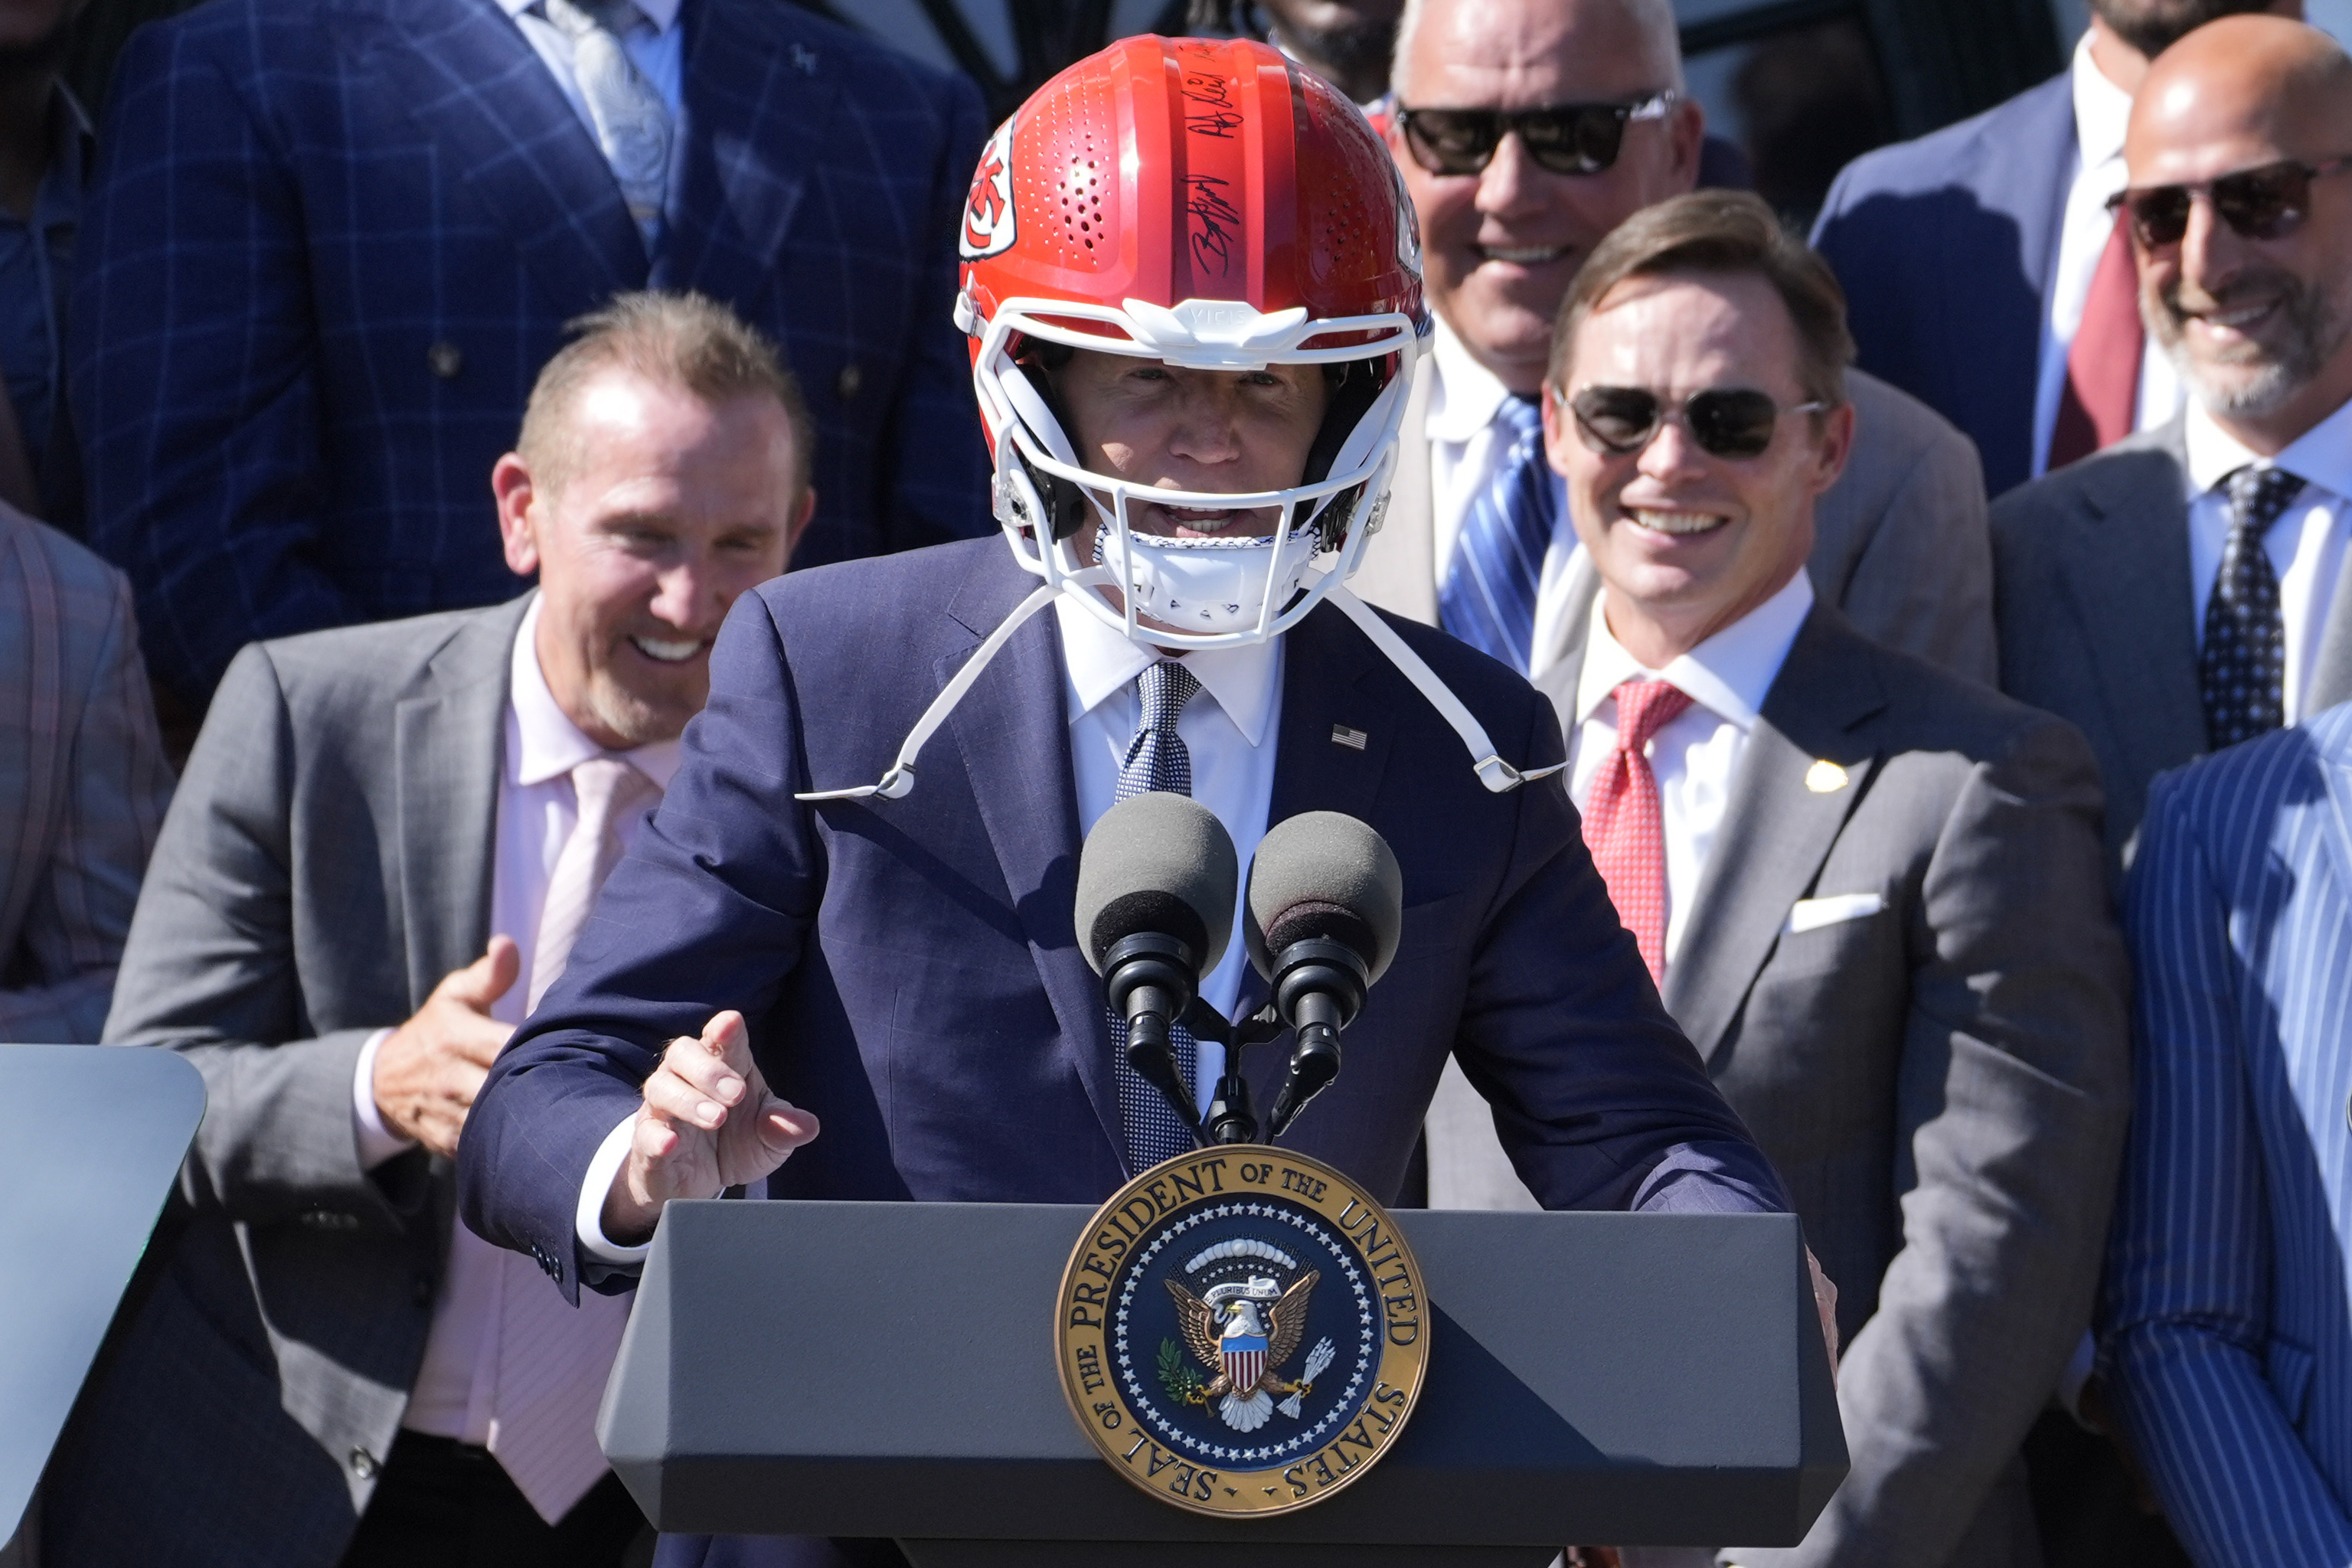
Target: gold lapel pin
{"x": 1354, "y": 740}
{"x": 1825, "y": 777}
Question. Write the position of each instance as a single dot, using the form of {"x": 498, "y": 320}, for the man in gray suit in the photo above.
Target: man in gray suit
{"x": 2191, "y": 586}
{"x": 1509, "y": 211}
{"x": 387, "y": 838}
{"x": 1870, "y": 890}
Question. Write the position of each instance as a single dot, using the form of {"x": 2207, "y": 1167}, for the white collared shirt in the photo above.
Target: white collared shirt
{"x": 656, "y": 45}
{"x": 1230, "y": 728}
{"x": 536, "y": 812}
{"x": 1467, "y": 446}
{"x": 2102, "y": 111}
{"x": 1696, "y": 755}
{"x": 2306, "y": 544}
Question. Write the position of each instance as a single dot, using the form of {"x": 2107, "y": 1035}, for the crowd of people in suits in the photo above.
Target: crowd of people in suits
{"x": 1943, "y": 628}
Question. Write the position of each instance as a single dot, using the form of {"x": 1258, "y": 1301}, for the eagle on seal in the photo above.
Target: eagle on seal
{"x": 1244, "y": 1333}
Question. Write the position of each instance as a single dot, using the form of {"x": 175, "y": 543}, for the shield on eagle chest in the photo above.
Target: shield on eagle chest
{"x": 1244, "y": 1356}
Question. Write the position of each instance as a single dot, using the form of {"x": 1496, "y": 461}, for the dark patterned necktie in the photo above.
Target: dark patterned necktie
{"x": 1156, "y": 760}
{"x": 1489, "y": 597}
{"x": 2243, "y": 666}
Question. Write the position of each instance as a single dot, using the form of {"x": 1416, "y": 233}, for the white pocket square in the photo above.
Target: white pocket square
{"x": 1812, "y": 914}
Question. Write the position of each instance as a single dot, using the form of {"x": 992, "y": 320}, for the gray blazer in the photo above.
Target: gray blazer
{"x": 2097, "y": 615}
{"x": 1941, "y": 1082}
{"x": 1899, "y": 540}
{"x": 327, "y": 861}
{"x": 83, "y": 782}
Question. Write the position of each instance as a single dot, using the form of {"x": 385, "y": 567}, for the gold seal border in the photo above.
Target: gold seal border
{"x": 1089, "y": 1381}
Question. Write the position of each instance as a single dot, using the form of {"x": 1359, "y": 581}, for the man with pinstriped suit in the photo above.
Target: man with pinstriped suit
{"x": 2226, "y": 1325}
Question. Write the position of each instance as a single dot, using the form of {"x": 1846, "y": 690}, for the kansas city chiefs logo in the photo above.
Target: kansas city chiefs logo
{"x": 989, "y": 224}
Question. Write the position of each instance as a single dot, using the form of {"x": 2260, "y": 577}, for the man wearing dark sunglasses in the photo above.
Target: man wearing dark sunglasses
{"x": 1871, "y": 893}
{"x": 1526, "y": 132}
{"x": 2183, "y": 590}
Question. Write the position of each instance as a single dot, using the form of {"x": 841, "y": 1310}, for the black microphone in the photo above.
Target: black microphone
{"x": 1155, "y": 909}
{"x": 1326, "y": 907}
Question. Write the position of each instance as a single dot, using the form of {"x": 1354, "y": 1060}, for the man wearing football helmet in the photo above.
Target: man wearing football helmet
{"x": 1192, "y": 292}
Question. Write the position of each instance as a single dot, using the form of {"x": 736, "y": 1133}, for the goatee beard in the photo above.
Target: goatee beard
{"x": 2315, "y": 330}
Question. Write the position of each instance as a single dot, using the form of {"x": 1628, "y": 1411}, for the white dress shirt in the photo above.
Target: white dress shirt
{"x": 1229, "y": 728}
{"x": 2102, "y": 110}
{"x": 1466, "y": 446}
{"x": 536, "y": 814}
{"x": 656, "y": 45}
{"x": 2306, "y": 544}
{"x": 1696, "y": 755}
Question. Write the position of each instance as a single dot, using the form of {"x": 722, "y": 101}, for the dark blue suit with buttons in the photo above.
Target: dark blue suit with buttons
{"x": 331, "y": 243}
{"x": 910, "y": 972}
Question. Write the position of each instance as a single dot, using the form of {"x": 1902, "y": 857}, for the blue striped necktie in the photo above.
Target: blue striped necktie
{"x": 1489, "y": 597}
{"x": 1156, "y": 760}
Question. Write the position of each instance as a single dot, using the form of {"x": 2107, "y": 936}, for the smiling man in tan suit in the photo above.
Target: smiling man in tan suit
{"x": 1507, "y": 215}
{"x": 1871, "y": 893}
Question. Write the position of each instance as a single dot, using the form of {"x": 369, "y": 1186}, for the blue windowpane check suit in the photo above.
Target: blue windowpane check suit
{"x": 2227, "y": 1321}
{"x": 331, "y": 243}
{"x": 910, "y": 973}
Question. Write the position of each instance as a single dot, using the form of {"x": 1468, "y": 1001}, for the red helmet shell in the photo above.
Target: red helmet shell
{"x": 1165, "y": 169}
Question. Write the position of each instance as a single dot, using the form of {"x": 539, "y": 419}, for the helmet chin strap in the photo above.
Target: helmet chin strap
{"x": 1499, "y": 776}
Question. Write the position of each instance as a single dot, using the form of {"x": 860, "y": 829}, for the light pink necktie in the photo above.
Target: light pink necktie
{"x": 554, "y": 1358}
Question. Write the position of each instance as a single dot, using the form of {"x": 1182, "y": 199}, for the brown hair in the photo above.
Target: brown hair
{"x": 1718, "y": 231}
{"x": 686, "y": 341}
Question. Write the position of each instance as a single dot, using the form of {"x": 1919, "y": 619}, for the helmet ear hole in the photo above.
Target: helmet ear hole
{"x": 1067, "y": 507}
{"x": 1354, "y": 386}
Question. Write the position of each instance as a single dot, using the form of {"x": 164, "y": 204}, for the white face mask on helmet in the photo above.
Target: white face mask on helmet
{"x": 1197, "y": 592}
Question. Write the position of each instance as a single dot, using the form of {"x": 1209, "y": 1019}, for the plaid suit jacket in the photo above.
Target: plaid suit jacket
{"x": 329, "y": 243}
{"x": 83, "y": 782}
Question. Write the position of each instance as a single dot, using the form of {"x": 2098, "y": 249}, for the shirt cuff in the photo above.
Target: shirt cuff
{"x": 2079, "y": 1368}
{"x": 376, "y": 1142}
{"x": 589, "y": 1219}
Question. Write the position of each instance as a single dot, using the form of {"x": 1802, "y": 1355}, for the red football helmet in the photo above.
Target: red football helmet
{"x": 1208, "y": 203}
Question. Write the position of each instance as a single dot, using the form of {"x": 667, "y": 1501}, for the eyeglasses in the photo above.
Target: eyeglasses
{"x": 1729, "y": 422}
{"x": 1566, "y": 138}
{"x": 2267, "y": 202}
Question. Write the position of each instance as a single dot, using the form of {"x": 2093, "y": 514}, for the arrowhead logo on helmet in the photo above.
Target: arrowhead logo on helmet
{"x": 990, "y": 223}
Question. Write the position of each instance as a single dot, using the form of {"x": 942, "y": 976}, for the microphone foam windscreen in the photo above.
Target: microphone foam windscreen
{"x": 1159, "y": 862}
{"x": 1325, "y": 874}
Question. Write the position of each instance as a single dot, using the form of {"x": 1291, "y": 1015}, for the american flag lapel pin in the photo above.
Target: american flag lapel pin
{"x": 1353, "y": 739}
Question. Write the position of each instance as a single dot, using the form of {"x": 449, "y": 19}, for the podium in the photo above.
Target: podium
{"x": 837, "y": 1369}
{"x": 90, "y": 1140}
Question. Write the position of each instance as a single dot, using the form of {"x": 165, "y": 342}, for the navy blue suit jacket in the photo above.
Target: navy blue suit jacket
{"x": 331, "y": 243}
{"x": 910, "y": 973}
{"x": 1945, "y": 247}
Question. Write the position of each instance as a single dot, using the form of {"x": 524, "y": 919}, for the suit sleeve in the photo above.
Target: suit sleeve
{"x": 2011, "y": 1094}
{"x": 933, "y": 456}
{"x": 2186, "y": 1318}
{"x": 1924, "y": 584}
{"x": 194, "y": 368}
{"x": 118, "y": 785}
{"x": 711, "y": 910}
{"x": 1597, "y": 1099}
{"x": 210, "y": 970}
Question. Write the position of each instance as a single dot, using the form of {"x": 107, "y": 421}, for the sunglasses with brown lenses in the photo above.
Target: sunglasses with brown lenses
{"x": 2265, "y": 202}
{"x": 1566, "y": 138}
{"x": 1728, "y": 421}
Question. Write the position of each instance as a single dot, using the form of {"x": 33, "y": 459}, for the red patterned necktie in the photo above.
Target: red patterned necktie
{"x": 2100, "y": 402}
{"x": 1624, "y": 825}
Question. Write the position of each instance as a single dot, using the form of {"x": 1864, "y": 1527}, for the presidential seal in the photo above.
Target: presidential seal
{"x": 1241, "y": 1330}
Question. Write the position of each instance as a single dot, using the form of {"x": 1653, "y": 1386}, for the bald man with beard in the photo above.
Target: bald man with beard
{"x": 2224, "y": 1326}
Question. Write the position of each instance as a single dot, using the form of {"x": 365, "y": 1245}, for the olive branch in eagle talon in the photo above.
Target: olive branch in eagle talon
{"x": 1243, "y": 1333}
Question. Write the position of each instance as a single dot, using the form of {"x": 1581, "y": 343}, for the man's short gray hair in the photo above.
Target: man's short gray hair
{"x": 1655, "y": 18}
